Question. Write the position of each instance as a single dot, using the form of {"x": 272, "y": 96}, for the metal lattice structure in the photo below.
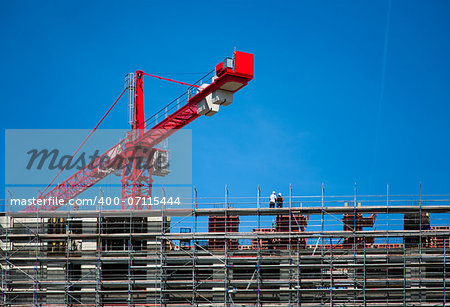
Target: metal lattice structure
{"x": 314, "y": 251}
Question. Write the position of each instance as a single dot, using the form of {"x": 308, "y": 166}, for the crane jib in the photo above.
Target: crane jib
{"x": 229, "y": 78}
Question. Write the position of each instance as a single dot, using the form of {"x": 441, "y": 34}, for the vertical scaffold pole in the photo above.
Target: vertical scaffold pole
{"x": 365, "y": 272}
{"x": 445, "y": 270}
{"x": 331, "y": 271}
{"x": 5, "y": 268}
{"x": 258, "y": 259}
{"x": 298, "y": 276}
{"x": 387, "y": 242}
{"x": 130, "y": 250}
{"x": 258, "y": 207}
{"x": 162, "y": 251}
{"x": 290, "y": 242}
{"x": 226, "y": 290}
{"x": 420, "y": 242}
{"x": 404, "y": 272}
{"x": 67, "y": 273}
{"x": 194, "y": 250}
{"x": 99, "y": 255}
{"x": 322, "y": 223}
{"x": 354, "y": 243}
{"x": 35, "y": 281}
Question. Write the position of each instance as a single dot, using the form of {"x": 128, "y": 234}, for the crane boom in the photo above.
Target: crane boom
{"x": 231, "y": 75}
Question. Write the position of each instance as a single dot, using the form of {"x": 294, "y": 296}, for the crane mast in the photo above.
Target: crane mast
{"x": 137, "y": 181}
{"x": 139, "y": 146}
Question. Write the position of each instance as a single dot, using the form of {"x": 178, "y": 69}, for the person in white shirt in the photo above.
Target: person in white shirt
{"x": 273, "y": 198}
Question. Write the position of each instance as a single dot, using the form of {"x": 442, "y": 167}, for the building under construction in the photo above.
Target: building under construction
{"x": 378, "y": 250}
{"x": 238, "y": 252}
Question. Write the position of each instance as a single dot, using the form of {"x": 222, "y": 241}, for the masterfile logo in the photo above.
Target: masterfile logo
{"x": 53, "y": 159}
{"x": 114, "y": 167}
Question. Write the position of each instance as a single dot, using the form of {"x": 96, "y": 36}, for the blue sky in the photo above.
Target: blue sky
{"x": 312, "y": 114}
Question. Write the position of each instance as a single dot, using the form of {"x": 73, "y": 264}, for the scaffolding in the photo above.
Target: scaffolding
{"x": 376, "y": 250}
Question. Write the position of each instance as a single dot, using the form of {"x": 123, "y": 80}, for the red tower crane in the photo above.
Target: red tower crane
{"x": 138, "y": 148}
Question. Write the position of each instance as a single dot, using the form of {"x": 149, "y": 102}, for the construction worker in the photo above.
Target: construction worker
{"x": 273, "y": 198}
{"x": 279, "y": 201}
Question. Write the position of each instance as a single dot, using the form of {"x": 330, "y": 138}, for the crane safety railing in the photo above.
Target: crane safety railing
{"x": 179, "y": 101}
